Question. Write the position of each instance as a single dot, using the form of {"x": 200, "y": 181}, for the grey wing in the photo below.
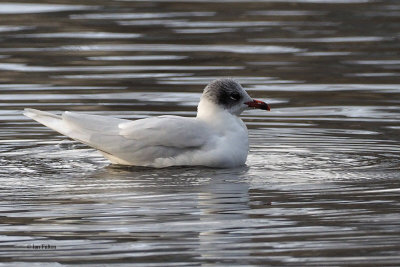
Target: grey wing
{"x": 169, "y": 131}
{"x": 96, "y": 131}
{"x": 138, "y": 142}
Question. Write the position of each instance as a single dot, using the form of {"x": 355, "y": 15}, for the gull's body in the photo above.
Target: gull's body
{"x": 216, "y": 137}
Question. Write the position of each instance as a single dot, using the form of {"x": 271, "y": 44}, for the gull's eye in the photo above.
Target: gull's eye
{"x": 235, "y": 96}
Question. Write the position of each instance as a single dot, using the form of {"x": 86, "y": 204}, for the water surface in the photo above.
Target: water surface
{"x": 321, "y": 186}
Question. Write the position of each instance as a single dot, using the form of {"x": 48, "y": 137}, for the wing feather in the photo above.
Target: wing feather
{"x": 140, "y": 142}
{"x": 169, "y": 131}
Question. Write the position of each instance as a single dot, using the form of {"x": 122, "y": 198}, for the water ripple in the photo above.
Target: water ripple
{"x": 252, "y": 49}
{"x": 321, "y": 182}
{"x": 26, "y": 8}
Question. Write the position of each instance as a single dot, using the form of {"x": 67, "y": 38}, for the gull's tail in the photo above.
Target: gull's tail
{"x": 52, "y": 121}
{"x": 99, "y": 132}
{"x": 78, "y": 126}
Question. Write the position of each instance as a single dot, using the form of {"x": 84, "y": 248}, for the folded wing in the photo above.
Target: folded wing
{"x": 142, "y": 142}
{"x": 169, "y": 131}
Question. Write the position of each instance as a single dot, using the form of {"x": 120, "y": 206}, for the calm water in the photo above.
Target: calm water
{"x": 322, "y": 182}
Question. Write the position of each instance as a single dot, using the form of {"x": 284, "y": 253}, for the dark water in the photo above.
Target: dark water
{"x": 321, "y": 186}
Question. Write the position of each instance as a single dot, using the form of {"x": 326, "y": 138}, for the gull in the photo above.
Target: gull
{"x": 216, "y": 137}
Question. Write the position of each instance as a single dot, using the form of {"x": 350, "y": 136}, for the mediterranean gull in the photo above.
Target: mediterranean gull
{"x": 216, "y": 137}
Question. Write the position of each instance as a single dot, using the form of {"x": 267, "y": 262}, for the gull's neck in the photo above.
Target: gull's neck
{"x": 213, "y": 114}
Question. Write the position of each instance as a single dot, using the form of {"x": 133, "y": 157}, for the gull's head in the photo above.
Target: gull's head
{"x": 230, "y": 95}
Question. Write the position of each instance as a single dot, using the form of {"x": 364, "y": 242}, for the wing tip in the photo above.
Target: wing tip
{"x": 30, "y": 112}
{"x": 35, "y": 113}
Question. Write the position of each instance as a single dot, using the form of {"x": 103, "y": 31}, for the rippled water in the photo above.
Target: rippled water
{"x": 321, "y": 185}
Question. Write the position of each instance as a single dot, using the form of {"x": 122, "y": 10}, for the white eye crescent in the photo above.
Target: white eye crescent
{"x": 235, "y": 96}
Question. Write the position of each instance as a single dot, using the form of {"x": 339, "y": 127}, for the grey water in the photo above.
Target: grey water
{"x": 321, "y": 186}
